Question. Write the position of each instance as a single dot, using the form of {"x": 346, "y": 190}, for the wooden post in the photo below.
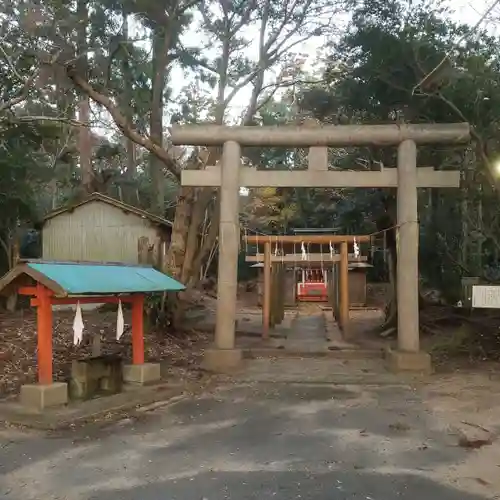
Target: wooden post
{"x": 331, "y": 289}
{"x": 344, "y": 286}
{"x": 277, "y": 295}
{"x": 407, "y": 261}
{"x": 274, "y": 295}
{"x": 229, "y": 240}
{"x": 266, "y": 303}
{"x": 143, "y": 250}
{"x": 44, "y": 326}
{"x": 281, "y": 292}
{"x": 138, "y": 330}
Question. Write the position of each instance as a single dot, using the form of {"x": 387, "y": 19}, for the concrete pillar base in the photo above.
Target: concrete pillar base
{"x": 401, "y": 361}
{"x": 222, "y": 360}
{"x": 41, "y": 396}
{"x": 146, "y": 373}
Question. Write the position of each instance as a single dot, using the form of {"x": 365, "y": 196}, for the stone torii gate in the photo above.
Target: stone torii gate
{"x": 230, "y": 175}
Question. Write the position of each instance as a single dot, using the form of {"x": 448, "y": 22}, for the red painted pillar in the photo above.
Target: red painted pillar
{"x": 138, "y": 330}
{"x": 44, "y": 327}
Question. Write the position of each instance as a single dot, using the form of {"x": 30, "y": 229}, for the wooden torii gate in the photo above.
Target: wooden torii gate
{"x": 230, "y": 175}
{"x": 342, "y": 258}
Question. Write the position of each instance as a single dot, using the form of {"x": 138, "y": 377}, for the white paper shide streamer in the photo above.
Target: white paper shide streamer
{"x": 303, "y": 250}
{"x": 356, "y": 249}
{"x": 78, "y": 325}
{"x": 120, "y": 322}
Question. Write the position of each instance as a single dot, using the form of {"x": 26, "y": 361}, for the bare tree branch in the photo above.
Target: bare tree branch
{"x": 122, "y": 123}
{"x": 490, "y": 169}
{"x": 429, "y": 76}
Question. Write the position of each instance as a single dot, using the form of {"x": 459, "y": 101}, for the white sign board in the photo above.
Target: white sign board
{"x": 486, "y": 296}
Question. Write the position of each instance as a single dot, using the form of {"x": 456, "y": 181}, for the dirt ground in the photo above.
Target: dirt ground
{"x": 18, "y": 346}
{"x": 451, "y": 352}
{"x": 466, "y": 405}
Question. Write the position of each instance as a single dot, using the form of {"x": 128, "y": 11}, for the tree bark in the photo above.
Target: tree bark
{"x": 161, "y": 48}
{"x": 84, "y": 137}
{"x": 201, "y": 201}
{"x": 175, "y": 256}
{"x": 387, "y": 223}
{"x": 207, "y": 246}
{"x": 127, "y": 99}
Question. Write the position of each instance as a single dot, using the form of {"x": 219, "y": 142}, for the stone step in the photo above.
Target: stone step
{"x": 325, "y": 353}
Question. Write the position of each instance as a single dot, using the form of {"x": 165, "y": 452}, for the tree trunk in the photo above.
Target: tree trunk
{"x": 85, "y": 146}
{"x": 174, "y": 261}
{"x": 186, "y": 256}
{"x": 84, "y": 137}
{"x": 387, "y": 223}
{"x": 10, "y": 245}
{"x": 478, "y": 261}
{"x": 194, "y": 244}
{"x": 206, "y": 248}
{"x": 130, "y": 147}
{"x": 465, "y": 240}
{"x": 161, "y": 47}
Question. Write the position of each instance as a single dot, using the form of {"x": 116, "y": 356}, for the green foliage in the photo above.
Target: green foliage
{"x": 22, "y": 167}
{"x": 380, "y": 69}
{"x": 23, "y": 173}
{"x": 378, "y": 72}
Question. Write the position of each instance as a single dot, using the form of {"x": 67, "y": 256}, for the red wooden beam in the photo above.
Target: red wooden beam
{"x": 87, "y": 300}
{"x": 308, "y": 238}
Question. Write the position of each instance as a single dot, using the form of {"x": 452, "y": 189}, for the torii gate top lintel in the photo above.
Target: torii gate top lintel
{"x": 325, "y": 135}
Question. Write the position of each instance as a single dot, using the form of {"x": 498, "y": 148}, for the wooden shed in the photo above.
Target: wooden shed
{"x": 102, "y": 229}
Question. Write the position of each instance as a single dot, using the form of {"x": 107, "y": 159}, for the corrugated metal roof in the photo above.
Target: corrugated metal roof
{"x": 113, "y": 202}
{"x": 88, "y": 278}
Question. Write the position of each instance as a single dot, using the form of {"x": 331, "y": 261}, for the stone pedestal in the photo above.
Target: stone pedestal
{"x": 41, "y": 396}
{"x": 222, "y": 360}
{"x": 403, "y": 361}
{"x": 93, "y": 375}
{"x": 143, "y": 374}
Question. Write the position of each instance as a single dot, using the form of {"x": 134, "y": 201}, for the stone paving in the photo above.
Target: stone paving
{"x": 306, "y": 330}
{"x": 307, "y": 333}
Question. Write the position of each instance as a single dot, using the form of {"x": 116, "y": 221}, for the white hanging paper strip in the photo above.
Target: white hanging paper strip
{"x": 303, "y": 249}
{"x": 120, "y": 323}
{"x": 356, "y": 249}
{"x": 78, "y": 325}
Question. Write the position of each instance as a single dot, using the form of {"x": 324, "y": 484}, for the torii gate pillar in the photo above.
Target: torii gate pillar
{"x": 408, "y": 355}
{"x": 223, "y": 356}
